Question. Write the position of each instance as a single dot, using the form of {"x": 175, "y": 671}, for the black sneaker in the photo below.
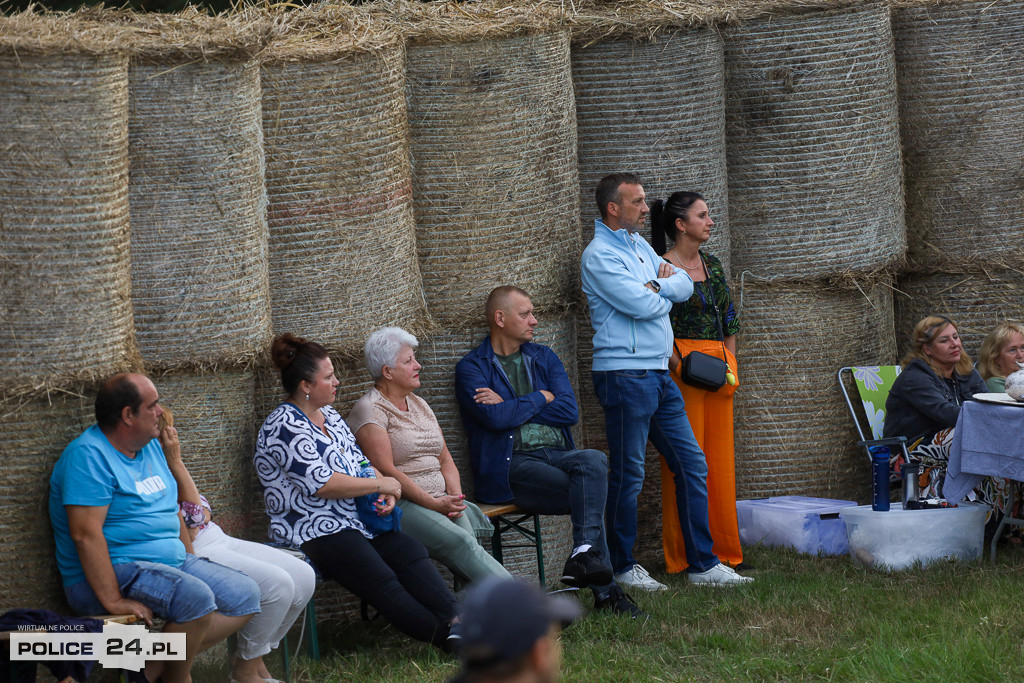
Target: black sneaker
{"x": 618, "y": 602}
{"x": 585, "y": 569}
{"x": 453, "y": 643}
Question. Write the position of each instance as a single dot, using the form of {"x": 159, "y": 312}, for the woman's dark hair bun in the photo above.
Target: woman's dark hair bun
{"x": 285, "y": 348}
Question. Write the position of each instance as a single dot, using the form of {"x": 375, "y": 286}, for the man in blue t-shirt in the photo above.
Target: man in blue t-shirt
{"x": 122, "y": 547}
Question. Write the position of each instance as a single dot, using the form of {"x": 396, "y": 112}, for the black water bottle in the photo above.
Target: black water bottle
{"x": 879, "y": 478}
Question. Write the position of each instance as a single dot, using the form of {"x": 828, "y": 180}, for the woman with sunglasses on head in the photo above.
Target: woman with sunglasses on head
{"x": 924, "y": 403}
{"x": 706, "y": 323}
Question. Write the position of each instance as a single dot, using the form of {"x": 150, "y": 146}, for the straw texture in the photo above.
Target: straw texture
{"x": 342, "y": 233}
{"x": 793, "y": 431}
{"x": 33, "y": 434}
{"x": 493, "y": 140}
{"x": 960, "y": 71}
{"x": 65, "y": 313}
{"x": 815, "y": 183}
{"x": 669, "y": 126}
{"x": 976, "y": 302}
{"x": 199, "y": 232}
{"x": 213, "y": 414}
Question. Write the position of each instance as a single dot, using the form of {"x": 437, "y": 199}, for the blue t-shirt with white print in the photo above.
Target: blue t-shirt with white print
{"x": 141, "y": 495}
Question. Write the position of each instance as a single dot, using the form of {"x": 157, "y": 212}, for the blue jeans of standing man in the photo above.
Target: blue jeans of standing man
{"x": 553, "y": 481}
{"x": 646, "y": 403}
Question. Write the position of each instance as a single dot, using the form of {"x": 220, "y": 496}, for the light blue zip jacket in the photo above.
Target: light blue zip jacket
{"x": 631, "y": 325}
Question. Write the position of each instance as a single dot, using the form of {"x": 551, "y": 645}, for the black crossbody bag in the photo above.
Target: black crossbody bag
{"x": 699, "y": 369}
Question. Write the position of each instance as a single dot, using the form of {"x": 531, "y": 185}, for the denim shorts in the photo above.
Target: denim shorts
{"x": 192, "y": 591}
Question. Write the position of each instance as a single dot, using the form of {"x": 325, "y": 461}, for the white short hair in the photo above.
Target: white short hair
{"x": 382, "y": 349}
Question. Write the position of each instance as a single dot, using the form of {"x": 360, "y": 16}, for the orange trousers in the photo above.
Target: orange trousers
{"x": 710, "y": 415}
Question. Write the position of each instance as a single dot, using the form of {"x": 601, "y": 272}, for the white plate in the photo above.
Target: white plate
{"x": 999, "y": 398}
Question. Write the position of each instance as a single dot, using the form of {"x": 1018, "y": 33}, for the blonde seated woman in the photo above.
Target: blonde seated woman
{"x": 398, "y": 432}
{"x": 286, "y": 582}
{"x": 1002, "y": 349}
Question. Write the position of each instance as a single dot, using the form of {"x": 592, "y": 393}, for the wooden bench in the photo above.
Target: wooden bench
{"x": 510, "y": 517}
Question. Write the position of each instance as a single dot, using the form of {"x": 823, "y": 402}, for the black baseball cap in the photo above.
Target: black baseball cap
{"x": 503, "y": 618}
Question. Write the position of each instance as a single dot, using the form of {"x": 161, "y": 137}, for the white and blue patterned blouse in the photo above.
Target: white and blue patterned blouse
{"x": 294, "y": 459}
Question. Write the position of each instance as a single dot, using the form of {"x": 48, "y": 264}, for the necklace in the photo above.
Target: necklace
{"x": 683, "y": 265}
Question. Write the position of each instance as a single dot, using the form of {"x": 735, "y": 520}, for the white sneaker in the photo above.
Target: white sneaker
{"x": 719, "y": 575}
{"x": 637, "y": 577}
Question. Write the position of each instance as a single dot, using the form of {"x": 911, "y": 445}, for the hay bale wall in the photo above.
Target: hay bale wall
{"x": 793, "y": 433}
{"x": 495, "y": 187}
{"x": 960, "y": 67}
{"x": 668, "y": 126}
{"x": 977, "y": 302}
{"x": 198, "y": 212}
{"x": 815, "y": 184}
{"x": 65, "y": 313}
{"x": 33, "y": 434}
{"x": 342, "y": 234}
{"x": 213, "y": 414}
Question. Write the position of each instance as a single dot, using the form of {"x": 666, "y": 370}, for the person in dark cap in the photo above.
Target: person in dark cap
{"x": 510, "y": 632}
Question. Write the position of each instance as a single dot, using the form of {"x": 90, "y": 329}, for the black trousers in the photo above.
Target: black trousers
{"x": 393, "y": 574}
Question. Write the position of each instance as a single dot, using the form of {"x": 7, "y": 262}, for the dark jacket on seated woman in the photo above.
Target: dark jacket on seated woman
{"x": 922, "y": 403}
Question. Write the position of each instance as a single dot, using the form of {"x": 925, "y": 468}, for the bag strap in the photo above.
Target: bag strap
{"x": 714, "y": 303}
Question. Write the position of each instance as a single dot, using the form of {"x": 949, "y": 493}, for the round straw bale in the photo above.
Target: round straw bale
{"x": 813, "y": 146}
{"x": 33, "y": 434}
{"x": 976, "y": 302}
{"x": 65, "y": 313}
{"x": 342, "y": 233}
{"x": 960, "y": 67}
{"x": 668, "y": 127}
{"x": 495, "y": 187}
{"x": 199, "y": 232}
{"x": 793, "y": 430}
{"x": 213, "y": 414}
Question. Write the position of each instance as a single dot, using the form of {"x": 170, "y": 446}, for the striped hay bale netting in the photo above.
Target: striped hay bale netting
{"x": 198, "y": 206}
{"x": 438, "y": 354}
{"x": 668, "y": 126}
{"x": 960, "y": 67}
{"x": 338, "y": 182}
{"x": 815, "y": 181}
{"x": 33, "y": 434}
{"x": 977, "y": 302}
{"x": 65, "y": 313}
{"x": 493, "y": 144}
{"x": 213, "y": 414}
{"x": 793, "y": 431}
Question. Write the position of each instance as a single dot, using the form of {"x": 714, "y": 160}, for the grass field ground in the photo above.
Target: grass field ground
{"x": 804, "y": 618}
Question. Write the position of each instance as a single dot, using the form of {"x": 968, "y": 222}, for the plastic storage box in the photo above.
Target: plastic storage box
{"x": 899, "y": 538}
{"x": 810, "y": 525}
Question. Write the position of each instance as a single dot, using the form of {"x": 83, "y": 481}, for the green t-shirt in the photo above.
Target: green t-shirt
{"x": 530, "y": 436}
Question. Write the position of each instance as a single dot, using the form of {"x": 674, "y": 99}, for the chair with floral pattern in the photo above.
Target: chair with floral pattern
{"x": 873, "y": 383}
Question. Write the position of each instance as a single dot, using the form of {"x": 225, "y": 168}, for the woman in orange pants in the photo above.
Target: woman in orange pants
{"x": 706, "y": 322}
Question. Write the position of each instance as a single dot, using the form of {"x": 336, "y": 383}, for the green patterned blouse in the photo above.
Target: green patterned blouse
{"x": 695, "y": 317}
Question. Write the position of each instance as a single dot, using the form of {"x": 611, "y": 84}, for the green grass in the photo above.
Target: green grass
{"x": 804, "y": 618}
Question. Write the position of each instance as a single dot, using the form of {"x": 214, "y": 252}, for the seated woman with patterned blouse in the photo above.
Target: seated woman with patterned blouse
{"x": 309, "y": 465}
{"x": 397, "y": 430}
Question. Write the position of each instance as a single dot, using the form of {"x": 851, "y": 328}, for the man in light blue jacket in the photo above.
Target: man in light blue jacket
{"x": 630, "y": 291}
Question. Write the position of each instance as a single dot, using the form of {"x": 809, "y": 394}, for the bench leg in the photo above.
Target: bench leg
{"x": 540, "y": 550}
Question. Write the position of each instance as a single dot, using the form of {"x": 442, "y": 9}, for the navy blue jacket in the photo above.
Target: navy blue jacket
{"x": 491, "y": 428}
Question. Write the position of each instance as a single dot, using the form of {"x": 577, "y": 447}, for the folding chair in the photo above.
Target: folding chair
{"x": 873, "y": 384}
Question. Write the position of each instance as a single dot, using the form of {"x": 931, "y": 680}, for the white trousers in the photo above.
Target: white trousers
{"x": 286, "y": 584}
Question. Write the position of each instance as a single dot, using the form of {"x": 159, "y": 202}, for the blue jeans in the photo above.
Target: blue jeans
{"x": 176, "y": 595}
{"x": 553, "y": 481}
{"x": 646, "y": 403}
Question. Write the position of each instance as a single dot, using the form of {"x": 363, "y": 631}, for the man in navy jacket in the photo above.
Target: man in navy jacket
{"x": 517, "y": 406}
